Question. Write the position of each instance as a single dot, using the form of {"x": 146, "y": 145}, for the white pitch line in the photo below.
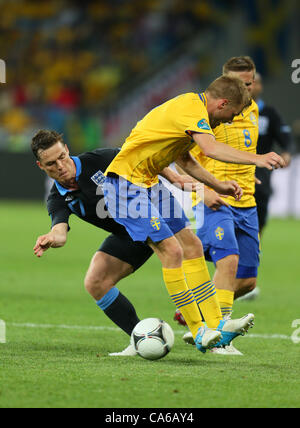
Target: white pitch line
{"x": 116, "y": 329}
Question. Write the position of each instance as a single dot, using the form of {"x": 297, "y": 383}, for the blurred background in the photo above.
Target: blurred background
{"x": 92, "y": 69}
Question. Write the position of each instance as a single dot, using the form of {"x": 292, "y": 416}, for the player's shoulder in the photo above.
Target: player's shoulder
{"x": 55, "y": 199}
{"x": 98, "y": 157}
{"x": 252, "y": 108}
{"x": 97, "y": 161}
{"x": 99, "y": 153}
{"x": 187, "y": 98}
{"x": 249, "y": 114}
{"x": 194, "y": 104}
{"x": 54, "y": 193}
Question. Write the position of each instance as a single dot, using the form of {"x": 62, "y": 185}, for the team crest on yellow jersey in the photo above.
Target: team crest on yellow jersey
{"x": 155, "y": 223}
{"x": 219, "y": 232}
{"x": 253, "y": 118}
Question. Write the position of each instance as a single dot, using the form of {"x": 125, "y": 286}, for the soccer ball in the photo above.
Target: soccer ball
{"x": 152, "y": 338}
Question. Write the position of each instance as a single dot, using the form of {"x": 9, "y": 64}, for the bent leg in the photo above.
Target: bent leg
{"x": 225, "y": 281}
{"x": 104, "y": 273}
{"x": 244, "y": 286}
{"x": 198, "y": 277}
{"x": 249, "y": 245}
{"x": 170, "y": 253}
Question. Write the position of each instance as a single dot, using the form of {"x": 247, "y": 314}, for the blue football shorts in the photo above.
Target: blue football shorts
{"x": 230, "y": 231}
{"x": 145, "y": 212}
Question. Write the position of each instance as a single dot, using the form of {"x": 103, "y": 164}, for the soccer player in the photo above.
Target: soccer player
{"x": 229, "y": 231}
{"x": 163, "y": 136}
{"x": 77, "y": 190}
{"x": 272, "y": 129}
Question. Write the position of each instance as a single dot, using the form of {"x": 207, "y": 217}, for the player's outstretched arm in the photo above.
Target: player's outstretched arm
{"x": 54, "y": 239}
{"x": 180, "y": 180}
{"x": 195, "y": 170}
{"x": 222, "y": 152}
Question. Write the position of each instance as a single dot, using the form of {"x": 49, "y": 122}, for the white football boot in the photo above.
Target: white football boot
{"x": 207, "y": 338}
{"x": 250, "y": 296}
{"x": 188, "y": 338}
{"x": 128, "y": 352}
{"x": 228, "y": 350}
{"x": 231, "y": 328}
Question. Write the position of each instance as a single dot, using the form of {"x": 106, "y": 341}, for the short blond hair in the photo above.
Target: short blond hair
{"x": 239, "y": 63}
{"x": 231, "y": 88}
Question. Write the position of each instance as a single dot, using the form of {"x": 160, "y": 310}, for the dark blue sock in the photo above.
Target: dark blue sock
{"x": 119, "y": 310}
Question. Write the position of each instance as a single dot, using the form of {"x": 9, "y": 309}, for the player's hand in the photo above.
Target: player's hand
{"x": 43, "y": 243}
{"x": 187, "y": 184}
{"x": 213, "y": 200}
{"x": 230, "y": 188}
{"x": 270, "y": 161}
{"x": 287, "y": 158}
{"x": 257, "y": 180}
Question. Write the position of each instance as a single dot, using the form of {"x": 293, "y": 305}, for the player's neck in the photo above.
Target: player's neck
{"x": 71, "y": 183}
{"x": 210, "y": 103}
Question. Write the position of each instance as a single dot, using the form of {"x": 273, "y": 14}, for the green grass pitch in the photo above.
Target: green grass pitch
{"x": 54, "y": 358}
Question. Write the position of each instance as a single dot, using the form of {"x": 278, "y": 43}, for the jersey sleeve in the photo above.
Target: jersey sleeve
{"x": 58, "y": 210}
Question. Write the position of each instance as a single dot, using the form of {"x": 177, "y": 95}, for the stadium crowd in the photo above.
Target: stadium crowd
{"x": 66, "y": 58}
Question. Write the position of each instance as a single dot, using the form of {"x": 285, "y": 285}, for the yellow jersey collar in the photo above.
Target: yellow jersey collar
{"x": 203, "y": 98}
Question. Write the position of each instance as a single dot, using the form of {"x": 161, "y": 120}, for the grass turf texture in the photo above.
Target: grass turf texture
{"x": 56, "y": 367}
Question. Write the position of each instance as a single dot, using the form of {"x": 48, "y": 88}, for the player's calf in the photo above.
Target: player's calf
{"x": 244, "y": 286}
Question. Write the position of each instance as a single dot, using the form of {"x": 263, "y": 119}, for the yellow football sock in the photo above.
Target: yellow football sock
{"x": 226, "y": 298}
{"x": 199, "y": 281}
{"x": 183, "y": 298}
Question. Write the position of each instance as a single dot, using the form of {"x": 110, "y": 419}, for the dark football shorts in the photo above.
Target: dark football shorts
{"x": 262, "y": 200}
{"x": 124, "y": 248}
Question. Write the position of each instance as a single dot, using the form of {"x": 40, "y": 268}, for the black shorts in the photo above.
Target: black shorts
{"x": 125, "y": 249}
{"x": 262, "y": 200}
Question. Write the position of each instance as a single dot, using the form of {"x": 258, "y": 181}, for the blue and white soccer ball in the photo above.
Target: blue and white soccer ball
{"x": 152, "y": 338}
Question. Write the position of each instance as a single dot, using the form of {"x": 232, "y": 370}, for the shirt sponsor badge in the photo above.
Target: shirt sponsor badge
{"x": 202, "y": 124}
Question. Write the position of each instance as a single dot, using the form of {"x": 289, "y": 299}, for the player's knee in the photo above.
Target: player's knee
{"x": 194, "y": 249}
{"x": 228, "y": 265}
{"x": 173, "y": 254}
{"x": 97, "y": 287}
{"x": 176, "y": 254}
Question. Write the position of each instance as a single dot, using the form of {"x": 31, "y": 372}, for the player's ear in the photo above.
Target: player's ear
{"x": 67, "y": 149}
{"x": 39, "y": 165}
{"x": 223, "y": 103}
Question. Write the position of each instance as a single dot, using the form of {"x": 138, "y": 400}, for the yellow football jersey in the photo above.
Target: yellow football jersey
{"x": 242, "y": 134}
{"x": 160, "y": 138}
